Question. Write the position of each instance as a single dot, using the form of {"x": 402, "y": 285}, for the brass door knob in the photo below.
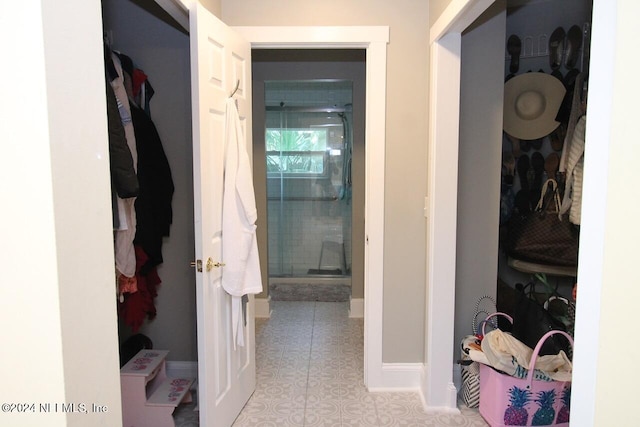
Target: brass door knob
{"x": 211, "y": 264}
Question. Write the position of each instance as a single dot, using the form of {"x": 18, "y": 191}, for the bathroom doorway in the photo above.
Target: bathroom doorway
{"x": 309, "y": 137}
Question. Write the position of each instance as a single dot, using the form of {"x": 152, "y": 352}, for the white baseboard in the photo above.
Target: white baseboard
{"x": 262, "y": 308}
{"x": 180, "y": 369}
{"x": 356, "y": 308}
{"x": 450, "y": 392}
{"x": 398, "y": 377}
{"x": 457, "y": 376}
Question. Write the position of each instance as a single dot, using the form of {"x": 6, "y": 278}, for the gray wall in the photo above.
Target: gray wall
{"x": 162, "y": 52}
{"x": 406, "y": 146}
{"x": 480, "y": 153}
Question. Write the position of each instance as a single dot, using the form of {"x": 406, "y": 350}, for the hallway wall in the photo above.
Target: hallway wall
{"x": 406, "y": 153}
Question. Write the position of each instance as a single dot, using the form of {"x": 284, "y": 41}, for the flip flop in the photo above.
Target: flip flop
{"x": 536, "y": 144}
{"x": 557, "y": 138}
{"x": 515, "y": 145}
{"x": 514, "y": 47}
{"x": 551, "y": 164}
{"x": 574, "y": 42}
{"x": 537, "y": 165}
{"x": 557, "y": 74}
{"x": 569, "y": 80}
{"x": 556, "y": 48}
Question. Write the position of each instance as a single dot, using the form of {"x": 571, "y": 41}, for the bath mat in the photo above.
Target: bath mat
{"x": 309, "y": 292}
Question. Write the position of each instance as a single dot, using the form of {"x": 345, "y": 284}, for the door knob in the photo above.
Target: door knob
{"x": 211, "y": 264}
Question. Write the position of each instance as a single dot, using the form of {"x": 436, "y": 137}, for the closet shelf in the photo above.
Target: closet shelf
{"x": 533, "y": 268}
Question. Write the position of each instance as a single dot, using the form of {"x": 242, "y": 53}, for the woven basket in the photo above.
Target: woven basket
{"x": 511, "y": 401}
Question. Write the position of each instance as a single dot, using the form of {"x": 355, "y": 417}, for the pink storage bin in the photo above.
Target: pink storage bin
{"x": 510, "y": 401}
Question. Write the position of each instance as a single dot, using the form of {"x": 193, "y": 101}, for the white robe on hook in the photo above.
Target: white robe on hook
{"x": 241, "y": 272}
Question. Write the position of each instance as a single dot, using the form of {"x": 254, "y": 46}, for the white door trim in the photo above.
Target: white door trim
{"x": 444, "y": 117}
{"x": 374, "y": 40}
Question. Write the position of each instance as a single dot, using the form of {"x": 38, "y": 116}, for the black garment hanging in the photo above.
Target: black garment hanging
{"x": 154, "y": 213}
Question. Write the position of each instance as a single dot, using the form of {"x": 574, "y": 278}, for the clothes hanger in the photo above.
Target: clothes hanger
{"x": 235, "y": 90}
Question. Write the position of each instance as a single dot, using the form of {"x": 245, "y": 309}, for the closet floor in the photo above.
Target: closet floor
{"x": 309, "y": 360}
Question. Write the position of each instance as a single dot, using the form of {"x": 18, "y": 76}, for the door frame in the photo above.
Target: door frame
{"x": 445, "y": 39}
{"x": 374, "y": 40}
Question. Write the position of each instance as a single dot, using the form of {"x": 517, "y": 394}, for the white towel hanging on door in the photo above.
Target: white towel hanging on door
{"x": 241, "y": 272}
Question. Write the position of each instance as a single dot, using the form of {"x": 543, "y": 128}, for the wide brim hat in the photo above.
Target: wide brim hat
{"x": 531, "y": 103}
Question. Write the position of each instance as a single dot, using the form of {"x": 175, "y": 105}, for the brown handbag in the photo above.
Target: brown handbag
{"x": 544, "y": 236}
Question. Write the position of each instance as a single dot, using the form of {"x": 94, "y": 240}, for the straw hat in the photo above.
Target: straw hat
{"x": 531, "y": 103}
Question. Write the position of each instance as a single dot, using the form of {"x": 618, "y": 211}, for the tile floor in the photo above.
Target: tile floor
{"x": 309, "y": 360}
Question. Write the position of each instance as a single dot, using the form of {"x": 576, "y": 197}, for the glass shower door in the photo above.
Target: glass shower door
{"x": 308, "y": 158}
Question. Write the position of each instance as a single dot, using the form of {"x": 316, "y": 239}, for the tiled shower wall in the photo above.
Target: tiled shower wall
{"x": 314, "y": 93}
{"x": 298, "y": 228}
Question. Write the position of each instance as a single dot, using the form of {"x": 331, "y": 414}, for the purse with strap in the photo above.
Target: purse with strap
{"x": 544, "y": 236}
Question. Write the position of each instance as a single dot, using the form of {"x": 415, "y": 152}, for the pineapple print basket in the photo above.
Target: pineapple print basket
{"x": 511, "y": 401}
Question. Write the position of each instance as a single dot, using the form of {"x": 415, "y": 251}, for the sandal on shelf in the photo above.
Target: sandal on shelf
{"x": 574, "y": 42}
{"x": 515, "y": 145}
{"x": 556, "y": 48}
{"x": 537, "y": 165}
{"x": 557, "y": 138}
{"x": 514, "y": 47}
{"x": 551, "y": 164}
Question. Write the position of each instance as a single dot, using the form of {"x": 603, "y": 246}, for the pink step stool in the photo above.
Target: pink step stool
{"x": 149, "y": 397}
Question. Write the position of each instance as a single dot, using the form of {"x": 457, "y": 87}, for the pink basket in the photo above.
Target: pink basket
{"x": 510, "y": 401}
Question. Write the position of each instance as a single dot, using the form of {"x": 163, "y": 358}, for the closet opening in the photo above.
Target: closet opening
{"x": 505, "y": 158}
{"x": 156, "y": 48}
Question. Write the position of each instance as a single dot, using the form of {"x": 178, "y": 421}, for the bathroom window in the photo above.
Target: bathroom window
{"x": 296, "y": 152}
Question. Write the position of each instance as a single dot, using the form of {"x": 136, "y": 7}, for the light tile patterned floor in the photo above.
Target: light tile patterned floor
{"x": 309, "y": 360}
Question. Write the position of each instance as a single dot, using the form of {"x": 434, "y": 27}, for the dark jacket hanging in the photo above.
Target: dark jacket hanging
{"x": 153, "y": 205}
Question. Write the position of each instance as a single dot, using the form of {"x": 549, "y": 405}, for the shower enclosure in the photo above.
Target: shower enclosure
{"x": 308, "y": 143}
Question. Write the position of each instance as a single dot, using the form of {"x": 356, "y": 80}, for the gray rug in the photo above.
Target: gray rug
{"x": 309, "y": 292}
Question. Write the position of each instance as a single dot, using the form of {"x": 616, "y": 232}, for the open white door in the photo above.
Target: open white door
{"x": 220, "y": 58}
